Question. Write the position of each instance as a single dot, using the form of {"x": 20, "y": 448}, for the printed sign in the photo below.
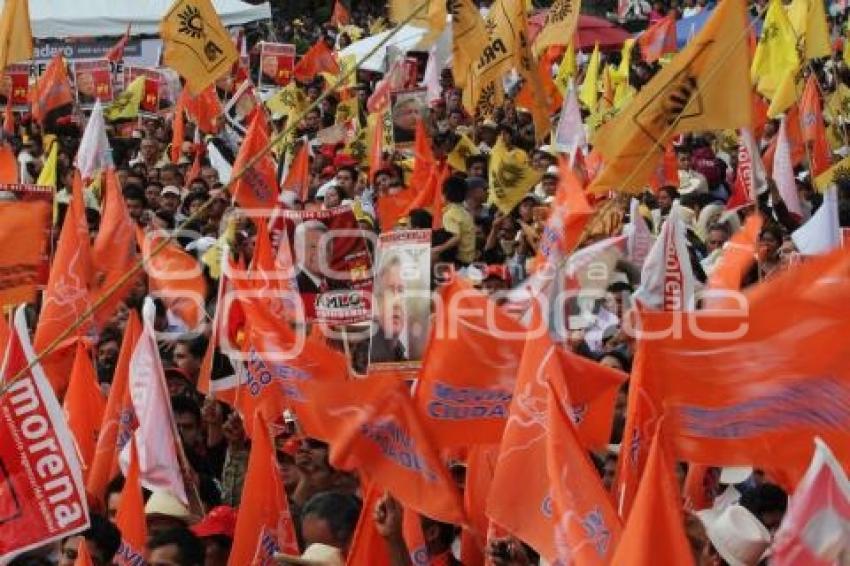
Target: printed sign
{"x": 92, "y": 81}
{"x": 277, "y": 62}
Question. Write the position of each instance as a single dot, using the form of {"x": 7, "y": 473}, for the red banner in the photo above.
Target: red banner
{"x": 277, "y": 61}
{"x": 156, "y": 89}
{"x": 93, "y": 81}
{"x": 42, "y": 498}
{"x": 16, "y": 83}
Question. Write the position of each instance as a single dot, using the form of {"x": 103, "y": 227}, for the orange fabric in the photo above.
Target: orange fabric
{"x": 340, "y": 16}
{"x": 737, "y": 257}
{"x": 9, "y": 119}
{"x": 113, "y": 250}
{"x": 24, "y": 224}
{"x": 430, "y": 196}
{"x": 116, "y": 52}
{"x": 520, "y": 502}
{"x": 204, "y": 109}
{"x": 813, "y": 129}
{"x": 318, "y": 59}
{"x": 175, "y": 277}
{"x": 52, "y": 90}
{"x": 130, "y": 518}
{"x": 392, "y": 208}
{"x": 8, "y": 165}
{"x": 67, "y": 294}
{"x": 480, "y": 466}
{"x": 118, "y": 416}
{"x": 178, "y": 127}
{"x": 795, "y": 140}
{"x": 760, "y": 398}
{"x": 372, "y": 427}
{"x": 83, "y": 556}
{"x": 701, "y": 486}
{"x": 257, "y": 186}
{"x": 471, "y": 406}
{"x": 659, "y": 39}
{"x": 667, "y": 172}
{"x": 84, "y": 406}
{"x": 298, "y": 176}
{"x": 263, "y": 507}
{"x": 367, "y": 545}
{"x": 586, "y": 526}
{"x": 759, "y": 111}
{"x": 414, "y": 538}
{"x": 526, "y": 97}
{"x": 376, "y": 150}
{"x": 654, "y": 534}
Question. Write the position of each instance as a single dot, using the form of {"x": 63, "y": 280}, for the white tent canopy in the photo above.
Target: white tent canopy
{"x": 408, "y": 38}
{"x": 92, "y": 18}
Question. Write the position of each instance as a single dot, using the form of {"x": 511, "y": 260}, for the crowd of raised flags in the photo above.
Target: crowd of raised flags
{"x": 631, "y": 348}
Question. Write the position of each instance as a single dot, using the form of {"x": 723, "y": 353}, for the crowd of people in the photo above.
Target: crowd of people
{"x": 493, "y": 249}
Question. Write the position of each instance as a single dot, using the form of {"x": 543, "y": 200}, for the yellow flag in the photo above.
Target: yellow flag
{"x": 566, "y": 70}
{"x": 463, "y": 149}
{"x": 469, "y": 39}
{"x": 625, "y": 60}
{"x": 808, "y": 19}
{"x": 838, "y": 172}
{"x": 346, "y": 110}
{"x": 126, "y": 105}
{"x": 511, "y": 176}
{"x": 700, "y": 89}
{"x": 432, "y": 17}
{"x": 288, "y": 101}
{"x": 15, "y": 33}
{"x": 561, "y": 23}
{"x": 196, "y": 43}
{"x": 588, "y": 92}
{"x": 47, "y": 177}
{"x": 623, "y": 94}
{"x": 784, "y": 97}
{"x": 776, "y": 52}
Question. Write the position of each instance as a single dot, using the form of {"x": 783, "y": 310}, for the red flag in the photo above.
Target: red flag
{"x": 340, "y": 16}
{"x": 701, "y": 487}
{"x": 52, "y": 91}
{"x": 130, "y": 518}
{"x": 257, "y": 186}
{"x": 744, "y": 190}
{"x": 654, "y": 533}
{"x": 8, "y": 165}
{"x": 178, "y": 127}
{"x": 84, "y": 406}
{"x": 114, "y": 249}
{"x": 42, "y": 498}
{"x": 319, "y": 59}
{"x": 264, "y": 521}
{"x": 737, "y": 257}
{"x": 298, "y": 176}
{"x": 9, "y": 119}
{"x": 795, "y": 139}
{"x": 204, "y": 109}
{"x": 813, "y": 129}
{"x": 376, "y": 149}
{"x": 67, "y": 295}
{"x": 658, "y": 39}
{"x": 373, "y": 428}
{"x": 116, "y": 53}
{"x": 759, "y": 107}
{"x": 119, "y": 419}
{"x": 813, "y": 531}
{"x": 367, "y": 545}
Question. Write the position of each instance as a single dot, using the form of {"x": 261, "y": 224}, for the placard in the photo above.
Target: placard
{"x": 277, "y": 62}
{"x": 93, "y": 81}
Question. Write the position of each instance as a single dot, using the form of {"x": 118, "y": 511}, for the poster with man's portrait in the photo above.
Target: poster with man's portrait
{"x": 93, "y": 81}
{"x": 277, "y": 62}
{"x": 407, "y": 107}
{"x": 15, "y": 84}
{"x": 331, "y": 261}
{"x": 401, "y": 300}
{"x": 156, "y": 96}
{"x": 240, "y": 108}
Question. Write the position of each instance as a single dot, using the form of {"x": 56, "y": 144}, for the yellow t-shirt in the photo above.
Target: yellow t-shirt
{"x": 458, "y": 220}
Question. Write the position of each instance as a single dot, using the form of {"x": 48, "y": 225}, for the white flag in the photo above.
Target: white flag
{"x": 217, "y": 160}
{"x": 783, "y": 172}
{"x": 821, "y": 233}
{"x": 667, "y": 278}
{"x": 640, "y": 237}
{"x": 155, "y": 440}
{"x": 94, "y": 153}
{"x": 570, "y": 134}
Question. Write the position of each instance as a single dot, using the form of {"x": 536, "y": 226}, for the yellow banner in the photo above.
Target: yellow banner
{"x": 511, "y": 176}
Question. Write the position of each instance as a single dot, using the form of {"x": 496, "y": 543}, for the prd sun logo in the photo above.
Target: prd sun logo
{"x": 191, "y": 22}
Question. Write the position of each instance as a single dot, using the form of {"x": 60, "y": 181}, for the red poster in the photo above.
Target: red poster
{"x": 333, "y": 268}
{"x": 93, "y": 81}
{"x": 155, "y": 97}
{"x": 277, "y": 61}
{"x": 29, "y": 193}
{"x": 15, "y": 83}
{"x": 42, "y": 498}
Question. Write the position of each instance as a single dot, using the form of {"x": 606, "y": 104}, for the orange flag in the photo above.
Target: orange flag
{"x": 67, "y": 294}
{"x": 471, "y": 406}
{"x": 83, "y": 556}
{"x": 264, "y": 524}
{"x": 795, "y": 139}
{"x": 392, "y": 208}
{"x": 8, "y": 165}
{"x": 762, "y": 390}
{"x": 376, "y": 150}
{"x": 701, "y": 487}
{"x": 116, "y": 52}
{"x": 298, "y": 176}
{"x": 759, "y": 109}
{"x": 586, "y": 526}
{"x": 340, "y": 16}
{"x": 114, "y": 249}
{"x": 130, "y": 518}
{"x": 480, "y": 466}
{"x": 367, "y": 545}
{"x": 319, "y": 59}
{"x": 52, "y": 91}
{"x": 414, "y": 538}
{"x": 204, "y": 109}
{"x": 813, "y": 129}
{"x": 658, "y": 39}
{"x": 84, "y": 406}
{"x": 178, "y": 127}
{"x": 373, "y": 428}
{"x": 654, "y": 534}
{"x": 667, "y": 172}
{"x": 24, "y": 224}
{"x": 9, "y": 119}
{"x": 430, "y": 196}
{"x": 737, "y": 257}
{"x": 256, "y": 189}
{"x": 176, "y": 278}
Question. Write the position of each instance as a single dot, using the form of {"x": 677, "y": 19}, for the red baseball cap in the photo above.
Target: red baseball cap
{"x": 220, "y": 521}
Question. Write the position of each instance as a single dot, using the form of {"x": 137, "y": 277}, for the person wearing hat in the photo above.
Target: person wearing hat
{"x": 691, "y": 181}
{"x": 736, "y": 536}
{"x": 163, "y": 511}
{"x": 170, "y": 199}
{"x": 488, "y": 133}
{"x": 545, "y": 190}
{"x": 216, "y": 533}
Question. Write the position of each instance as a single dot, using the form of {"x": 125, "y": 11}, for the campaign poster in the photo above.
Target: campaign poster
{"x": 30, "y": 193}
{"x": 401, "y": 300}
{"x": 156, "y": 95}
{"x": 15, "y": 83}
{"x": 333, "y": 267}
{"x": 407, "y": 107}
{"x": 277, "y": 62}
{"x": 93, "y": 81}
{"x": 240, "y": 108}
